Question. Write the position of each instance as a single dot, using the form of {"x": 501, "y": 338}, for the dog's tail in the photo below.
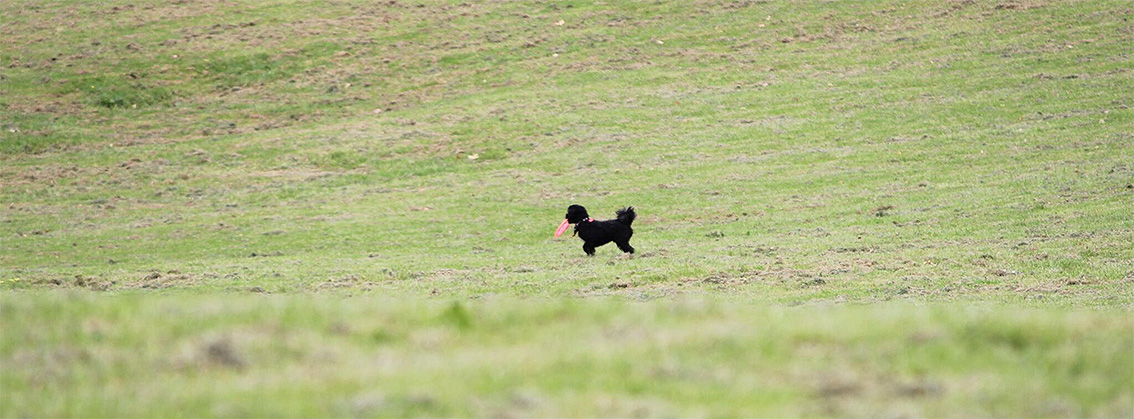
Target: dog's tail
{"x": 626, "y": 215}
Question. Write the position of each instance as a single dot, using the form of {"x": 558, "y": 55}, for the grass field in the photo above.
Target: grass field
{"x": 233, "y": 208}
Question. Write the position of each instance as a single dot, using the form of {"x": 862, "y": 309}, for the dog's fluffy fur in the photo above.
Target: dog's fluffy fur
{"x": 597, "y": 233}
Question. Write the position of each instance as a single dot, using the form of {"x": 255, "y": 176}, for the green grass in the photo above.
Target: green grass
{"x": 118, "y": 93}
{"x": 890, "y": 159}
{"x": 288, "y": 356}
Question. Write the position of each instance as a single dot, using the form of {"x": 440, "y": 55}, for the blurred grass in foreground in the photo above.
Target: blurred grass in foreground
{"x": 80, "y": 354}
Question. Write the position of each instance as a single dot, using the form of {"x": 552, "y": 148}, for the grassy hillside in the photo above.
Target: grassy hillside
{"x": 157, "y": 156}
{"x": 801, "y": 151}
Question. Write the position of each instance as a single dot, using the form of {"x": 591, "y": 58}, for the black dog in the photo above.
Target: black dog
{"x": 597, "y": 233}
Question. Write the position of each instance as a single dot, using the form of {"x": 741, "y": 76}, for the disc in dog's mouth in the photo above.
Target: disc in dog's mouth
{"x": 562, "y": 227}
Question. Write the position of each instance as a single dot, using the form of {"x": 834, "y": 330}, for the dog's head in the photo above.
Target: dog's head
{"x": 576, "y": 214}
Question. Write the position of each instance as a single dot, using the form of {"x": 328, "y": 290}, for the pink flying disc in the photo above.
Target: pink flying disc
{"x": 562, "y": 227}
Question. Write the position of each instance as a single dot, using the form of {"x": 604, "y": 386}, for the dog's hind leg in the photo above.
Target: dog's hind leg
{"x": 589, "y": 249}
{"x": 625, "y": 246}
